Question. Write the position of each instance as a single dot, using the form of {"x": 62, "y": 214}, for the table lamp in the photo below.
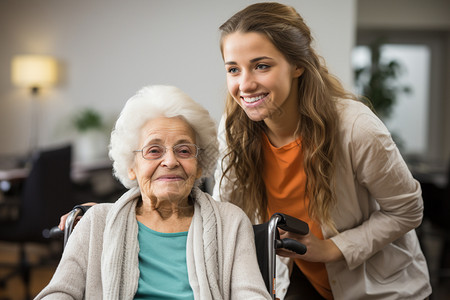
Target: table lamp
{"x": 34, "y": 72}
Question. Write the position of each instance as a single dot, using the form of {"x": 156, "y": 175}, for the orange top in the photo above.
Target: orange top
{"x": 285, "y": 180}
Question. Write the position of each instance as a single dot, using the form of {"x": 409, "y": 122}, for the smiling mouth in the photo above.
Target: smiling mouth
{"x": 253, "y": 99}
{"x": 170, "y": 178}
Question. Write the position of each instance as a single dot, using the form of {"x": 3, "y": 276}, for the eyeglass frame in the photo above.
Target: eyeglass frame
{"x": 198, "y": 149}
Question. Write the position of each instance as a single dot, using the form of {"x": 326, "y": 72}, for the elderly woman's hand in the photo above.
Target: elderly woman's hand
{"x": 62, "y": 221}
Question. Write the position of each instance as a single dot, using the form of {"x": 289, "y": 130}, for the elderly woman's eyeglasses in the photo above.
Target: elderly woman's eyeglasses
{"x": 181, "y": 151}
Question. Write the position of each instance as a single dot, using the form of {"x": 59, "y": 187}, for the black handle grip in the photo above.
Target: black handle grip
{"x": 83, "y": 208}
{"x": 292, "y": 224}
{"x": 53, "y": 232}
{"x": 291, "y": 244}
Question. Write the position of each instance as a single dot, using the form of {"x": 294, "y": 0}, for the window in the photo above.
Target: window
{"x": 408, "y": 121}
{"x": 423, "y": 55}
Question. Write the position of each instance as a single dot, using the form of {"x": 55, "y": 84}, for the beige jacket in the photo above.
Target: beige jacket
{"x": 379, "y": 205}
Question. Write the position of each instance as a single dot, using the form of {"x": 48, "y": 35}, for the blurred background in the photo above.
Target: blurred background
{"x": 98, "y": 53}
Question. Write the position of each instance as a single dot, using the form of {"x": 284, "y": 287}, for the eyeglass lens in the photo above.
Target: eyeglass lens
{"x": 183, "y": 151}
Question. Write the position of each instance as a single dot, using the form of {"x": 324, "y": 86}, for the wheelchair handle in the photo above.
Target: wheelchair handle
{"x": 53, "y": 232}
{"x": 291, "y": 244}
{"x": 78, "y": 210}
{"x": 83, "y": 208}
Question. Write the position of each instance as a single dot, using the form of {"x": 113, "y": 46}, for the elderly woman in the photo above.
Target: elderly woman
{"x": 164, "y": 238}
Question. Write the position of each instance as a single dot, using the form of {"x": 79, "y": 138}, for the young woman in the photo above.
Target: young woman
{"x": 294, "y": 141}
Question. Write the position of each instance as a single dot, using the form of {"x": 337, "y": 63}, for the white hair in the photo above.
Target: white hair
{"x": 160, "y": 101}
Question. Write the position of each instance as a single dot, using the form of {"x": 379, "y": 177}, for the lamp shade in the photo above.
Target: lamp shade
{"x": 33, "y": 71}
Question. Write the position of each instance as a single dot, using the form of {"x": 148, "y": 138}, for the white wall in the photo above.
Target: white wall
{"x": 404, "y": 14}
{"x": 109, "y": 49}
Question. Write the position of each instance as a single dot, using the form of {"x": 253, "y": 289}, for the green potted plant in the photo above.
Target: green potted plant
{"x": 88, "y": 119}
{"x": 378, "y": 82}
{"x": 91, "y": 143}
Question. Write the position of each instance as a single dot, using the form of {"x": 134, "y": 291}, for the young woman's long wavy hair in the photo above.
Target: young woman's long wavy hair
{"x": 317, "y": 122}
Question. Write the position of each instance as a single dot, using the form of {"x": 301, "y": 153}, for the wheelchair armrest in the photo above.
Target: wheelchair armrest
{"x": 292, "y": 224}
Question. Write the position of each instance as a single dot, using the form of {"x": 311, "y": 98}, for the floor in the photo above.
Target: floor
{"x": 14, "y": 289}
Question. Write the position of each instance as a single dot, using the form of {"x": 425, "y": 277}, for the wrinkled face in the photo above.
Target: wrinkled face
{"x": 259, "y": 78}
{"x": 170, "y": 177}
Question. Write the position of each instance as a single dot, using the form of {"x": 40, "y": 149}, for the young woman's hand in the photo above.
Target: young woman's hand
{"x": 62, "y": 221}
{"x": 317, "y": 250}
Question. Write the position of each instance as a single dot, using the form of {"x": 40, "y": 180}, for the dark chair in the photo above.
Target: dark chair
{"x": 437, "y": 214}
{"x": 46, "y": 192}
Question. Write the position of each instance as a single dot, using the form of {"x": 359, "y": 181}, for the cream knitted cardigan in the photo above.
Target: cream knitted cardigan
{"x": 121, "y": 229}
{"x": 220, "y": 254}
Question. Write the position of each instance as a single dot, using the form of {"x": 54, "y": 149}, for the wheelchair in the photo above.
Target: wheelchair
{"x": 267, "y": 240}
